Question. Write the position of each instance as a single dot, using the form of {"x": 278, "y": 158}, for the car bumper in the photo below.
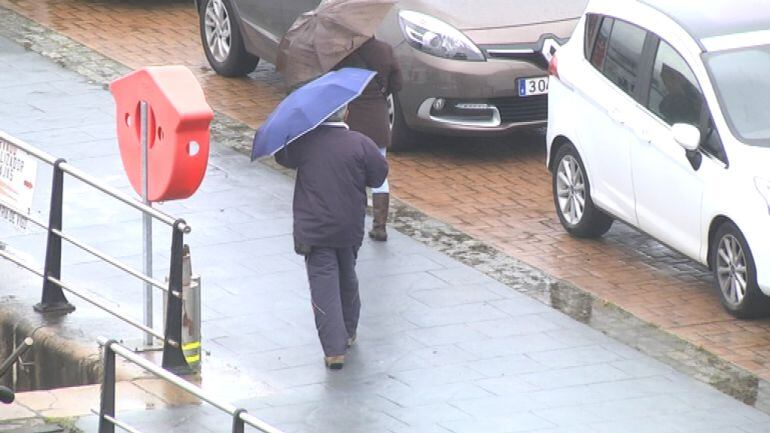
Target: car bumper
{"x": 479, "y": 98}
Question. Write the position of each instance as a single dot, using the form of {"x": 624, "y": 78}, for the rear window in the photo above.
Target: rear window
{"x": 592, "y": 29}
{"x": 599, "y": 52}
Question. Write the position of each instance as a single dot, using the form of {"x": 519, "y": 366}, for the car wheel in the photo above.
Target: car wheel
{"x": 402, "y": 138}
{"x": 735, "y": 274}
{"x": 222, "y": 40}
{"x": 572, "y": 197}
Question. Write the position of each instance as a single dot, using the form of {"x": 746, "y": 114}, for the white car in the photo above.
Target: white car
{"x": 659, "y": 116}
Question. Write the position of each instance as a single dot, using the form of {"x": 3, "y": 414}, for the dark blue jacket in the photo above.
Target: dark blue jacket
{"x": 334, "y": 167}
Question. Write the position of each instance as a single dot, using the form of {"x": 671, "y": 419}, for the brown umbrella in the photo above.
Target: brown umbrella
{"x": 318, "y": 40}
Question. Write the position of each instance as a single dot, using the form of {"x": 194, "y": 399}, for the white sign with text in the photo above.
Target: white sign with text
{"x": 18, "y": 173}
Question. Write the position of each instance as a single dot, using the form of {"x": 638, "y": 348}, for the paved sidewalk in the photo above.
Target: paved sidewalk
{"x": 442, "y": 347}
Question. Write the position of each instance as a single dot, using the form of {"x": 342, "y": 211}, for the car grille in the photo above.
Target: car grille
{"x": 527, "y": 109}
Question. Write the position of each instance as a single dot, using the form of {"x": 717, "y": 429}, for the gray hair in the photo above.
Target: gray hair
{"x": 339, "y": 115}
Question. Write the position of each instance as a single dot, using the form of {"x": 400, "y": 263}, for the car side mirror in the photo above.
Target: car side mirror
{"x": 687, "y": 136}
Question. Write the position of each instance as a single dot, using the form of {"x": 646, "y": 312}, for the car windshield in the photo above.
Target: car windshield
{"x": 742, "y": 80}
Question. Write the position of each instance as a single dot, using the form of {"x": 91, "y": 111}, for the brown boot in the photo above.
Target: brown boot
{"x": 380, "y": 203}
{"x": 334, "y": 362}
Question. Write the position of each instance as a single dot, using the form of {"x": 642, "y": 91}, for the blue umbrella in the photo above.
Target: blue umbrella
{"x": 307, "y": 107}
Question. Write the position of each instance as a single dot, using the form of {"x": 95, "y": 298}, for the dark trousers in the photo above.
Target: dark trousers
{"x": 334, "y": 291}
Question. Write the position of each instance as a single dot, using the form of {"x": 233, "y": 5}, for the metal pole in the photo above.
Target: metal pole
{"x": 187, "y": 386}
{"x": 107, "y": 308}
{"x": 16, "y": 355}
{"x": 118, "y": 195}
{"x": 146, "y": 223}
{"x": 53, "y": 298}
{"x": 238, "y": 426}
{"x": 107, "y": 405}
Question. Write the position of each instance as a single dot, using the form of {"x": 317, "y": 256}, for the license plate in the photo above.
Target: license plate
{"x": 533, "y": 86}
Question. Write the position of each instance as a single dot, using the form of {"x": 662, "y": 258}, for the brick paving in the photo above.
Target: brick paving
{"x": 498, "y": 191}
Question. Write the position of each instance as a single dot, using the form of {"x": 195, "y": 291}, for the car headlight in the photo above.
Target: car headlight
{"x": 438, "y": 38}
{"x": 763, "y": 186}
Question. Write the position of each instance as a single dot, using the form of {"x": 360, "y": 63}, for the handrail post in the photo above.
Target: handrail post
{"x": 53, "y": 299}
{"x": 107, "y": 406}
{"x": 238, "y": 426}
{"x": 173, "y": 354}
{"x": 16, "y": 355}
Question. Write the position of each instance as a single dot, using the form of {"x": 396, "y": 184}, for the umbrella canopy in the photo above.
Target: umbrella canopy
{"x": 320, "y": 39}
{"x": 307, "y": 107}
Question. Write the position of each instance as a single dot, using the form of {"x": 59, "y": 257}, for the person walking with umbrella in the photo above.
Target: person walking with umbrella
{"x": 369, "y": 115}
{"x": 307, "y": 132}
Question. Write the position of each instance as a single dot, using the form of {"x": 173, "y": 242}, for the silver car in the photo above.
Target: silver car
{"x": 470, "y": 68}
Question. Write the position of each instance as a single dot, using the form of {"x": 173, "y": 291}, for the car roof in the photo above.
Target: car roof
{"x": 711, "y": 18}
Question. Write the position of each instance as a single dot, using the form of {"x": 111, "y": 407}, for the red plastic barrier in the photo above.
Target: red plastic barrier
{"x": 178, "y": 125}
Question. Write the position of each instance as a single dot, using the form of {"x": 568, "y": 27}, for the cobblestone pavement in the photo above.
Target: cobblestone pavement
{"x": 495, "y": 191}
{"x": 443, "y": 348}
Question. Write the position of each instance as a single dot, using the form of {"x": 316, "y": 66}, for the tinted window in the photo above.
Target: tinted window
{"x": 624, "y": 52}
{"x": 592, "y": 28}
{"x": 674, "y": 92}
{"x": 600, "y": 46}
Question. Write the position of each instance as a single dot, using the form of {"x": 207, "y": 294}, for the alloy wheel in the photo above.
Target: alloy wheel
{"x": 732, "y": 271}
{"x": 391, "y": 110}
{"x": 218, "y": 30}
{"x": 571, "y": 190}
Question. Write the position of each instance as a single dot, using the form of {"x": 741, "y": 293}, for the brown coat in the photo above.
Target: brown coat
{"x": 369, "y": 113}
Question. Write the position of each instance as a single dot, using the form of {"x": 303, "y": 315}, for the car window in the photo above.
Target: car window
{"x": 592, "y": 28}
{"x": 600, "y": 46}
{"x": 624, "y": 52}
{"x": 675, "y": 95}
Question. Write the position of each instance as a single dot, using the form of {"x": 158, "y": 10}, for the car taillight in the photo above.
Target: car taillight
{"x": 553, "y": 67}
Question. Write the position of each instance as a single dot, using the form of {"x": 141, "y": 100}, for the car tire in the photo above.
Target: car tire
{"x": 572, "y": 196}
{"x": 222, "y": 40}
{"x": 735, "y": 274}
{"x": 402, "y": 138}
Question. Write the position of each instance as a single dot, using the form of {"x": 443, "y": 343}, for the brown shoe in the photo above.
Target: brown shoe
{"x": 334, "y": 362}
{"x": 380, "y": 204}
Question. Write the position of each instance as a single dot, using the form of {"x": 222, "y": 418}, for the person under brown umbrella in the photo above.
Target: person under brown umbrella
{"x": 369, "y": 115}
{"x": 319, "y": 39}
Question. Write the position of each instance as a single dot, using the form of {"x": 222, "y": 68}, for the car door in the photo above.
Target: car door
{"x": 263, "y": 17}
{"x": 611, "y": 90}
{"x": 292, "y": 9}
{"x": 669, "y": 186}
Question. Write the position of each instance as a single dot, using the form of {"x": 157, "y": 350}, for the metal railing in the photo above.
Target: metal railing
{"x": 53, "y": 298}
{"x": 107, "y": 417}
{"x": 7, "y": 395}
